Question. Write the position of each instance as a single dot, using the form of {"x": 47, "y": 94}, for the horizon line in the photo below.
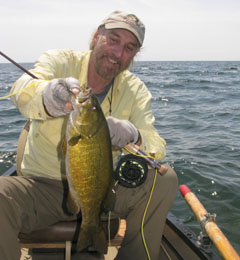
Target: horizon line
{"x": 8, "y": 62}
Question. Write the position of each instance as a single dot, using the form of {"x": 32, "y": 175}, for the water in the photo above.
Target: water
{"x": 197, "y": 111}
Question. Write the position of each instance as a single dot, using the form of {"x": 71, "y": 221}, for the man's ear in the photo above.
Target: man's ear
{"x": 95, "y": 38}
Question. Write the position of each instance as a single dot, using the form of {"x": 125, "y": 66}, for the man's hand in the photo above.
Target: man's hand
{"x": 122, "y": 132}
{"x": 56, "y": 96}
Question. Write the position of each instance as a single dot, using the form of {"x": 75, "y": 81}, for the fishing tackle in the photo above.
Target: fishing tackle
{"x": 18, "y": 65}
{"x": 131, "y": 171}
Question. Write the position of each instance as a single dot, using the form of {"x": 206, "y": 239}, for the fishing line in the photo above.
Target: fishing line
{"x": 109, "y": 228}
{"x": 144, "y": 215}
{"x": 10, "y": 95}
{"x": 148, "y": 202}
{"x": 139, "y": 155}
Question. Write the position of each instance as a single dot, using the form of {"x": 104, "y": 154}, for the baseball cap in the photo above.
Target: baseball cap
{"x": 128, "y": 21}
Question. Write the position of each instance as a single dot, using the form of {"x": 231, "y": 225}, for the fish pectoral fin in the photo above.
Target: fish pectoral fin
{"x": 74, "y": 140}
{"x": 72, "y": 205}
{"x": 94, "y": 239}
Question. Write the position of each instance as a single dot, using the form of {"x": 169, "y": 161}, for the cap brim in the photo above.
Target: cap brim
{"x": 120, "y": 25}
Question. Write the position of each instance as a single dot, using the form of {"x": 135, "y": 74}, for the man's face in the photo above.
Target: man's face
{"x": 113, "y": 51}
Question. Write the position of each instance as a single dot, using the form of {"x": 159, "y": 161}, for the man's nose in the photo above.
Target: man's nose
{"x": 118, "y": 51}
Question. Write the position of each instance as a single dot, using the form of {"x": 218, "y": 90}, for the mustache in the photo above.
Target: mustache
{"x": 114, "y": 58}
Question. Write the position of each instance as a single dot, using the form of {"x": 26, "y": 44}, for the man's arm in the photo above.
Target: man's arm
{"x": 48, "y": 95}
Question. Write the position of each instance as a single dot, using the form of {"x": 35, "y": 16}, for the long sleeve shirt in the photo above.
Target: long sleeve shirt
{"x": 43, "y": 154}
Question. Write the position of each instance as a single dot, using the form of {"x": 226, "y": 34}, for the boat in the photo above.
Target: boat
{"x": 178, "y": 241}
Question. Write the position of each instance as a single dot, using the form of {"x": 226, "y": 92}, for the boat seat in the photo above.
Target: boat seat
{"x": 64, "y": 235}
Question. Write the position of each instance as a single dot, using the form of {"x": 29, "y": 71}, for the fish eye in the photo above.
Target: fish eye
{"x": 94, "y": 108}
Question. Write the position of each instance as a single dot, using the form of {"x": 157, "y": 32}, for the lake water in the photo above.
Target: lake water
{"x": 197, "y": 111}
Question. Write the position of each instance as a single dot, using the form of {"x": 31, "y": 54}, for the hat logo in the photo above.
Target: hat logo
{"x": 131, "y": 19}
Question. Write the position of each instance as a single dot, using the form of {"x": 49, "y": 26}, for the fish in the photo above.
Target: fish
{"x": 89, "y": 168}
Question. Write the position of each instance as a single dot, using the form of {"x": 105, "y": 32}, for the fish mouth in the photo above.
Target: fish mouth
{"x": 83, "y": 95}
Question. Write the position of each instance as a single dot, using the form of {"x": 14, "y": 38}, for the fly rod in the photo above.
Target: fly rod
{"x": 18, "y": 65}
{"x": 150, "y": 160}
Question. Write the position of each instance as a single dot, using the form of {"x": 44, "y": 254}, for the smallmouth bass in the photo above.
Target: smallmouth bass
{"x": 89, "y": 168}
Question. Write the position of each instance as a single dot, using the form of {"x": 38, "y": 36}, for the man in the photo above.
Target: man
{"x": 37, "y": 198}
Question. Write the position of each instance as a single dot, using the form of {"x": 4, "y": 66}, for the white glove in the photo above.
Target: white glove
{"x": 122, "y": 132}
{"x": 56, "y": 95}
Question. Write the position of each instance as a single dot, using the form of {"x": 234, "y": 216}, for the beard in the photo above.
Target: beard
{"x": 108, "y": 66}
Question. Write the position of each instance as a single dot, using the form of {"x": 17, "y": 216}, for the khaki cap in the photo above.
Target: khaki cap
{"x": 123, "y": 20}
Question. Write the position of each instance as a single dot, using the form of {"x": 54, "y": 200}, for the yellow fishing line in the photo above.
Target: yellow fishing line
{"x": 148, "y": 202}
{"x": 139, "y": 155}
{"x": 4, "y": 97}
{"x": 144, "y": 215}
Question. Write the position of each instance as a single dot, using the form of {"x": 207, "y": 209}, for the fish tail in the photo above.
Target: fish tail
{"x": 93, "y": 239}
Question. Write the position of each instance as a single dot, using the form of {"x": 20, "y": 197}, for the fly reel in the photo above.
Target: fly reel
{"x": 131, "y": 171}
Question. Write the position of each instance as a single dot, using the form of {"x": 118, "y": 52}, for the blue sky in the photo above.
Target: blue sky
{"x": 175, "y": 29}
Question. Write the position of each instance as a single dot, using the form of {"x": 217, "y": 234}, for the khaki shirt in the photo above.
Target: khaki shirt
{"x": 43, "y": 154}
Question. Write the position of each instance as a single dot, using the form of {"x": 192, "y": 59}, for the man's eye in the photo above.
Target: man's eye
{"x": 113, "y": 39}
{"x": 130, "y": 48}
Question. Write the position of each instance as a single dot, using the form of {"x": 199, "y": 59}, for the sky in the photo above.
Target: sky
{"x": 175, "y": 29}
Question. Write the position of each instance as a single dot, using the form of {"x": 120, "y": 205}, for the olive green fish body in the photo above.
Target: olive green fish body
{"x": 89, "y": 169}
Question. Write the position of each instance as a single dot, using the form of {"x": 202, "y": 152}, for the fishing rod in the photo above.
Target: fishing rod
{"x": 134, "y": 149}
{"x": 18, "y": 65}
{"x": 209, "y": 225}
{"x": 150, "y": 160}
